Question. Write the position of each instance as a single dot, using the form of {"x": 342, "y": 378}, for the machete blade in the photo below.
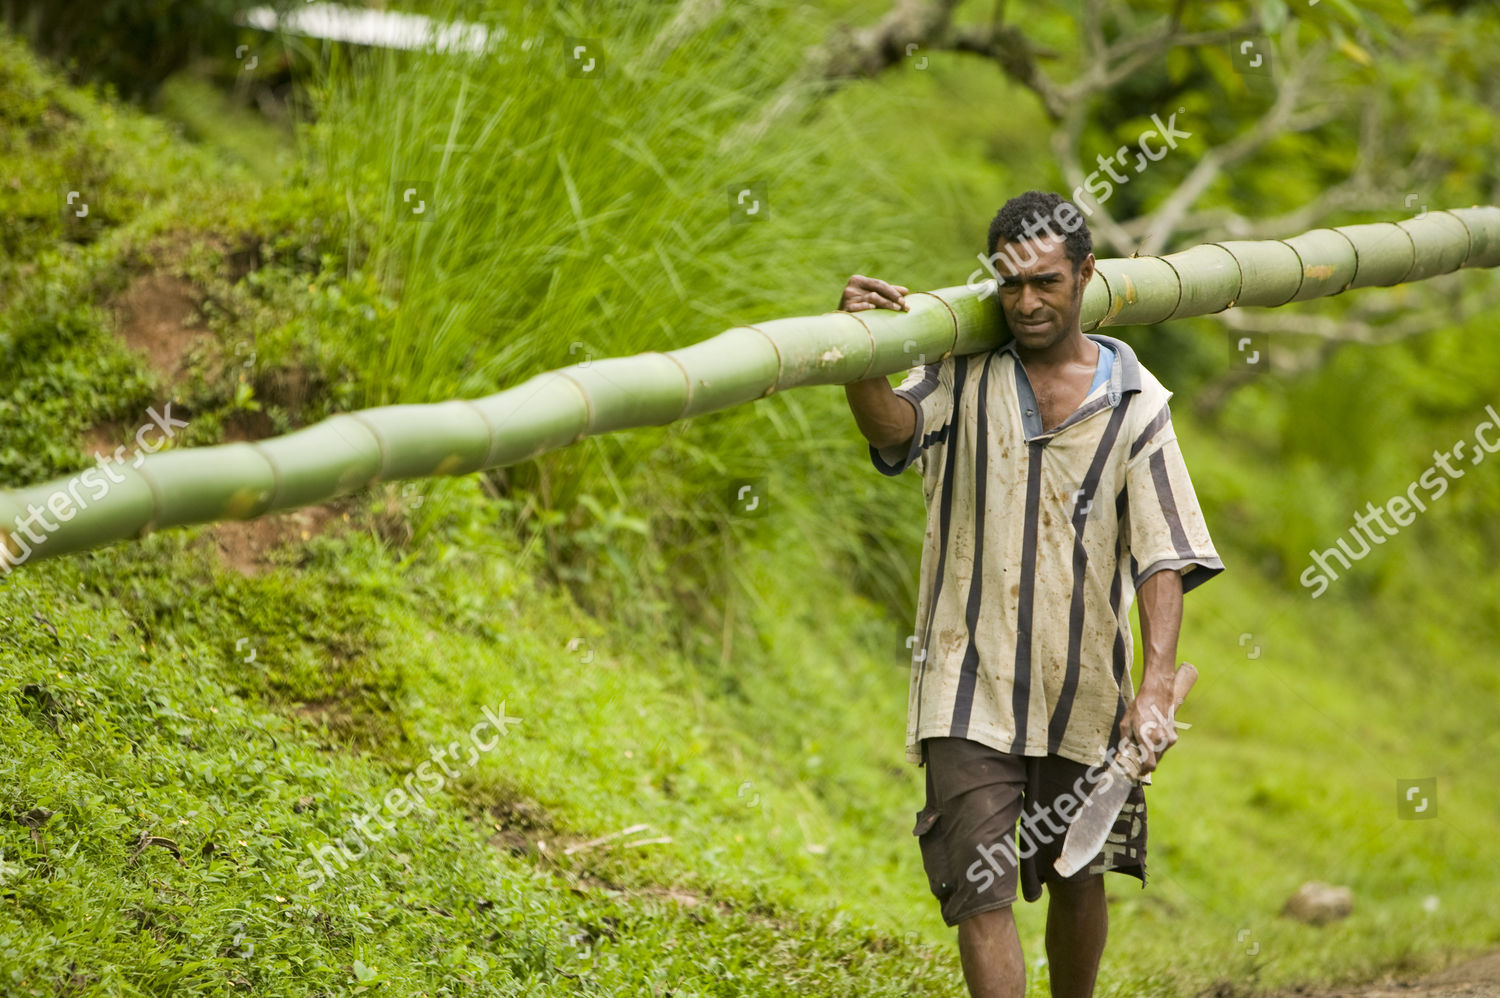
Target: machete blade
{"x": 1090, "y": 827}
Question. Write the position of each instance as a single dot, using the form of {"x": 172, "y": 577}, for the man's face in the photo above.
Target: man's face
{"x": 1040, "y": 294}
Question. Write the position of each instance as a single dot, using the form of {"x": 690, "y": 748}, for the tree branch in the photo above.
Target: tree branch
{"x": 1373, "y": 320}
{"x": 1278, "y": 118}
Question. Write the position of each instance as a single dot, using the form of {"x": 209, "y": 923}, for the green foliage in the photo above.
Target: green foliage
{"x": 734, "y": 682}
{"x": 580, "y": 218}
{"x": 207, "y": 114}
{"x": 132, "y": 44}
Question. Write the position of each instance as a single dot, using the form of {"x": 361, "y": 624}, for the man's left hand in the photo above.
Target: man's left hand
{"x": 1148, "y": 723}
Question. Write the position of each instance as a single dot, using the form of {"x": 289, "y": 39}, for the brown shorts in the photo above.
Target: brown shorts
{"x": 977, "y": 797}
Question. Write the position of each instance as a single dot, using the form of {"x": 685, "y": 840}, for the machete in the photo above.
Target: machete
{"x": 1090, "y": 828}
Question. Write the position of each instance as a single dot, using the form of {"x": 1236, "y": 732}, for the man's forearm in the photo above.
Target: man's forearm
{"x": 1161, "y": 621}
{"x": 885, "y": 418}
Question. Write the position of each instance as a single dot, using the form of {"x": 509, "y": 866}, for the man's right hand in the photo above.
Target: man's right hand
{"x": 885, "y": 419}
{"x": 870, "y": 292}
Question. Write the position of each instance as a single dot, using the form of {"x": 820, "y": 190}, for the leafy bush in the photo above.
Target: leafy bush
{"x": 132, "y": 44}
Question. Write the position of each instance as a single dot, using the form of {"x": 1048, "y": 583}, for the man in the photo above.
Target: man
{"x": 1055, "y": 491}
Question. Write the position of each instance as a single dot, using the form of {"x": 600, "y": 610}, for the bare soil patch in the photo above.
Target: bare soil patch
{"x": 1478, "y": 978}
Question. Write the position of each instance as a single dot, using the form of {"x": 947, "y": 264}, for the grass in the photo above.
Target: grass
{"x": 180, "y": 738}
{"x": 153, "y": 724}
{"x": 142, "y": 717}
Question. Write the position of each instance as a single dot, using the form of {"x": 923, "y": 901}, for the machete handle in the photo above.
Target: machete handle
{"x": 1182, "y": 681}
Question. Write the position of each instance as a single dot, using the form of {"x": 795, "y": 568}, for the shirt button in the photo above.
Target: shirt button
{"x": 1028, "y": 412}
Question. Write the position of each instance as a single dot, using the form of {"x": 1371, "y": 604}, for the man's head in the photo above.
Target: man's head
{"x": 1040, "y": 246}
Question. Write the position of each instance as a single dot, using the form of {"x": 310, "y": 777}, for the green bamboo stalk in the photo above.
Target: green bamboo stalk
{"x": 552, "y": 410}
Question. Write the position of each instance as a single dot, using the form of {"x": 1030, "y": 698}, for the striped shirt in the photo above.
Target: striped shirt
{"x": 1036, "y": 544}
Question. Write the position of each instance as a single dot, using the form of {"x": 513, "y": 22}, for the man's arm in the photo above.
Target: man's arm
{"x": 885, "y": 418}
{"x": 1160, "y": 603}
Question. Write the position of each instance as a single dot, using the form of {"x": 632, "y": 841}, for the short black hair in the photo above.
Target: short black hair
{"x": 1036, "y": 209}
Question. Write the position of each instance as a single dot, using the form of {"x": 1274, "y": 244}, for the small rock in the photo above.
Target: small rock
{"x": 1317, "y": 903}
{"x": 35, "y": 818}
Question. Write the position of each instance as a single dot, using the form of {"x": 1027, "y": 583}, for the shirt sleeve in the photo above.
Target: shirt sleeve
{"x": 930, "y": 389}
{"x": 1166, "y": 524}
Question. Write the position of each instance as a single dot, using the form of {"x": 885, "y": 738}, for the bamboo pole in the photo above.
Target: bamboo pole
{"x": 552, "y": 410}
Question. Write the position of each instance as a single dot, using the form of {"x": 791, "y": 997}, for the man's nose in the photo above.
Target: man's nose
{"x": 1028, "y": 301}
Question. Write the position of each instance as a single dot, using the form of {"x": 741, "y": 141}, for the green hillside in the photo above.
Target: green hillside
{"x": 703, "y": 792}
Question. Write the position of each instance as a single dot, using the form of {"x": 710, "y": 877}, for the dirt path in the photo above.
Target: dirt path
{"x": 1476, "y": 979}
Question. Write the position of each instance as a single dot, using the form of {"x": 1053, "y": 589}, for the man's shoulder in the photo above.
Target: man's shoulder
{"x": 1149, "y": 410}
{"x": 970, "y": 365}
{"x": 1153, "y": 394}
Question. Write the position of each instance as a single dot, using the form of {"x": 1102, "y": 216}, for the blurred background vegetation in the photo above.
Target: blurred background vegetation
{"x": 736, "y": 683}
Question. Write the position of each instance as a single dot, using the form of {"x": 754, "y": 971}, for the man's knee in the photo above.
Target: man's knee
{"x": 986, "y": 923}
{"x": 1075, "y": 890}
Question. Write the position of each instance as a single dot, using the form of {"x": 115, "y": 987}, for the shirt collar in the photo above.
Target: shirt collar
{"x": 1126, "y": 375}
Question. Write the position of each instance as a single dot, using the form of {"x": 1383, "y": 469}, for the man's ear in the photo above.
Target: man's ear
{"x": 1086, "y": 270}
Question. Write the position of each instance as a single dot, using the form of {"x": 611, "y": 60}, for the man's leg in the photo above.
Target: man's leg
{"x": 990, "y": 949}
{"x": 1077, "y": 923}
{"x": 968, "y": 833}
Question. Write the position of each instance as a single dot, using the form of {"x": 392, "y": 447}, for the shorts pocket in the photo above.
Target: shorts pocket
{"x": 934, "y": 854}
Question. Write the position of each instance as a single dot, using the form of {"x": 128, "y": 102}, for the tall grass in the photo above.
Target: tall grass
{"x": 571, "y": 217}
{"x": 575, "y": 217}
